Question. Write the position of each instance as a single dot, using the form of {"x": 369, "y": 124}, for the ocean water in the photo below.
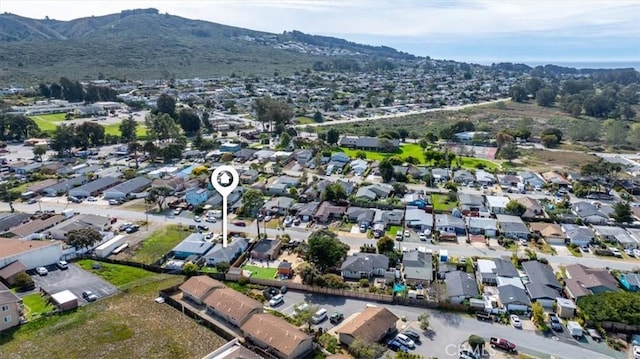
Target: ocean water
{"x": 589, "y": 64}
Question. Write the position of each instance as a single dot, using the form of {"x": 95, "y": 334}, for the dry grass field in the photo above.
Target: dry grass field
{"x": 563, "y": 161}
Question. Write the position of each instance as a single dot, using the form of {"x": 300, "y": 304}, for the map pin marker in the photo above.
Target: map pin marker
{"x": 225, "y": 179}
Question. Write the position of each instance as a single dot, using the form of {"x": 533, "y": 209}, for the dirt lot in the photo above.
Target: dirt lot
{"x": 560, "y": 160}
{"x": 127, "y": 325}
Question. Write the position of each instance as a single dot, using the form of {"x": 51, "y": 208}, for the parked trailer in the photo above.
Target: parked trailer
{"x": 109, "y": 246}
{"x": 121, "y": 248}
{"x": 575, "y": 329}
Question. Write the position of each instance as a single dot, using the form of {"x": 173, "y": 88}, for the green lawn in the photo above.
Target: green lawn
{"x": 406, "y": 150}
{"x": 115, "y": 274}
{"x": 48, "y": 122}
{"x": 440, "y": 202}
{"x": 114, "y": 129}
{"x": 36, "y": 305}
{"x": 261, "y": 272}
{"x": 304, "y": 120}
{"x": 473, "y": 163}
{"x": 391, "y": 232}
{"x": 160, "y": 243}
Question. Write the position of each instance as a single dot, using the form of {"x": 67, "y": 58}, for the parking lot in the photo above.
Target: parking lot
{"x": 74, "y": 279}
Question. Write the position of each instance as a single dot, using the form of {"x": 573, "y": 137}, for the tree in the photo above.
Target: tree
{"x": 166, "y": 104}
{"x": 423, "y": 319}
{"x": 276, "y": 113}
{"x": 545, "y": 97}
{"x": 317, "y": 117}
{"x": 161, "y": 126}
{"x": 189, "y": 121}
{"x": 89, "y": 134}
{"x": 133, "y": 148}
{"x": 83, "y": 237}
{"x": 386, "y": 170}
{"x": 476, "y": 343}
{"x": 515, "y": 208}
{"x": 39, "y": 151}
{"x": 24, "y": 281}
{"x": 151, "y": 150}
{"x": 622, "y": 212}
{"x": 158, "y": 195}
{"x": 538, "y": 315}
{"x": 189, "y": 269}
{"x": 251, "y": 203}
{"x": 304, "y": 312}
{"x": 518, "y": 93}
{"x": 553, "y": 131}
{"x": 285, "y": 140}
{"x": 549, "y": 141}
{"x": 325, "y": 250}
{"x": 333, "y": 136}
{"x": 361, "y": 349}
{"x": 334, "y": 193}
{"x": 171, "y": 151}
{"x": 509, "y": 152}
{"x": 385, "y": 244}
{"x": 63, "y": 139}
{"x": 223, "y": 267}
{"x": 616, "y": 132}
{"x": 128, "y": 128}
{"x": 44, "y": 90}
{"x": 533, "y": 85}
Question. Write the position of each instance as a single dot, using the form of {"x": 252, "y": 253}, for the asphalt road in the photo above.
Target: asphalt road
{"x": 450, "y": 330}
{"x": 74, "y": 279}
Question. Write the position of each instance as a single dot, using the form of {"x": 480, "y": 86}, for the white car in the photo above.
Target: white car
{"x": 276, "y": 300}
{"x": 42, "y": 271}
{"x": 636, "y": 253}
{"x": 524, "y": 242}
{"x": 177, "y": 211}
{"x": 515, "y": 321}
{"x": 636, "y": 352}
{"x": 210, "y": 219}
{"x": 92, "y": 199}
{"x": 197, "y": 219}
{"x": 406, "y": 341}
{"x": 267, "y": 218}
{"x": 407, "y": 234}
{"x": 422, "y": 237}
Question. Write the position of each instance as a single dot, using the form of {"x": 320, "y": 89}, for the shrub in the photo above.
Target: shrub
{"x": 364, "y": 282}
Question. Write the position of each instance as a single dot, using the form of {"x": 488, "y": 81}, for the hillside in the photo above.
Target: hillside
{"x": 143, "y": 44}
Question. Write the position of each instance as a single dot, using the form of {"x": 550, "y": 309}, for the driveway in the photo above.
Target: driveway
{"x": 74, "y": 279}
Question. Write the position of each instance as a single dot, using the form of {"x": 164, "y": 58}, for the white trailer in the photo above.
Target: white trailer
{"x": 574, "y": 328}
{"x": 68, "y": 213}
{"x": 109, "y": 246}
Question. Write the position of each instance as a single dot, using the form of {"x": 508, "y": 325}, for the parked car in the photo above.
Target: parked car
{"x": 413, "y": 335}
{"x": 336, "y": 317}
{"x": 62, "y": 265}
{"x": 114, "y": 202}
{"x": 555, "y": 322}
{"x": 210, "y": 219}
{"x": 132, "y": 229}
{"x": 42, "y": 271}
{"x": 268, "y": 218}
{"x": 396, "y": 346}
{"x": 502, "y": 343}
{"x": 319, "y": 316}
{"x": 202, "y": 227}
{"x": 406, "y": 341}
{"x": 32, "y": 201}
{"x": 422, "y": 237}
{"x": 636, "y": 352}
{"x": 276, "y": 300}
{"x": 177, "y": 211}
{"x": 515, "y": 321}
{"x": 92, "y": 199}
{"x": 89, "y": 296}
{"x": 239, "y": 224}
{"x": 407, "y": 234}
{"x": 197, "y": 219}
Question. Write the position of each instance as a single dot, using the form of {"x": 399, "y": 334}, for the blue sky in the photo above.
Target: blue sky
{"x": 466, "y": 30}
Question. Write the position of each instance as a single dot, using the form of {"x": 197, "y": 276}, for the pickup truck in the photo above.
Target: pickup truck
{"x": 503, "y": 344}
{"x": 484, "y": 316}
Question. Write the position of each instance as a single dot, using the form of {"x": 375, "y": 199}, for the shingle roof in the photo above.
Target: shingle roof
{"x": 417, "y": 265}
{"x": 590, "y": 277}
{"x": 370, "y": 324}
{"x": 37, "y": 225}
{"x": 12, "y": 269}
{"x": 460, "y": 283}
{"x": 541, "y": 273}
{"x": 200, "y": 285}
{"x": 7, "y": 296}
{"x": 231, "y": 302}
{"x": 505, "y": 268}
{"x": 510, "y": 294}
{"x": 10, "y": 247}
{"x": 97, "y": 185}
{"x": 132, "y": 185}
{"x": 365, "y": 262}
{"x": 275, "y": 332}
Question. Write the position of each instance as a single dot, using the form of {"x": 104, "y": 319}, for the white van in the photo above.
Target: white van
{"x": 320, "y": 316}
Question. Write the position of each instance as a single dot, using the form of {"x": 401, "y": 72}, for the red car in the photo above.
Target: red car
{"x": 239, "y": 224}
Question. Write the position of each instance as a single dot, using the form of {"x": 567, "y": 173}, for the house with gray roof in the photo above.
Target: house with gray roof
{"x": 228, "y": 254}
{"x": 472, "y": 203}
{"x": 364, "y": 265}
{"x": 327, "y": 211}
{"x": 63, "y": 187}
{"x": 490, "y": 269}
{"x": 278, "y": 206}
{"x": 614, "y": 234}
{"x": 392, "y": 217}
{"x": 485, "y": 178}
{"x": 512, "y": 227}
{"x": 463, "y": 176}
{"x": 482, "y": 226}
{"x": 121, "y": 191}
{"x": 10, "y": 220}
{"x": 440, "y": 174}
{"x": 460, "y": 286}
{"x": 589, "y": 213}
{"x": 417, "y": 267}
{"x": 194, "y": 244}
{"x": 446, "y": 223}
{"x": 374, "y": 192}
{"x": 532, "y": 179}
{"x": 541, "y": 283}
{"x": 514, "y": 299}
{"x": 282, "y": 184}
{"x": 244, "y": 154}
{"x": 418, "y": 219}
{"x": 94, "y": 187}
{"x": 361, "y": 216}
{"x": 369, "y": 143}
{"x": 579, "y": 235}
{"x": 305, "y": 211}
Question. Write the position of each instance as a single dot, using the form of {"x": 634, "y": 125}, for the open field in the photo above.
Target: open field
{"x": 561, "y": 160}
{"x": 36, "y": 305}
{"x": 475, "y": 163}
{"x": 114, "y": 129}
{"x": 159, "y": 243}
{"x": 127, "y": 325}
{"x": 440, "y": 202}
{"x": 115, "y": 274}
{"x": 405, "y": 151}
{"x": 303, "y": 120}
{"x": 261, "y": 272}
{"x": 48, "y": 122}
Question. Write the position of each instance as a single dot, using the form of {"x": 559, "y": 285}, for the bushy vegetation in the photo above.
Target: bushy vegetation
{"x": 622, "y": 307}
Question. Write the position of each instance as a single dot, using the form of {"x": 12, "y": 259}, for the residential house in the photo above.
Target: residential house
{"x": 40, "y": 185}
{"x": 370, "y": 143}
{"x": 249, "y": 176}
{"x": 418, "y": 219}
{"x": 197, "y": 288}
{"x": 463, "y": 176}
{"x": 630, "y": 281}
{"x": 244, "y": 154}
{"x": 512, "y": 227}
{"x": 417, "y": 267}
{"x": 266, "y": 249}
{"x": 485, "y": 178}
{"x": 361, "y": 216}
{"x": 359, "y": 166}
{"x": 337, "y": 161}
{"x": 63, "y": 187}
{"x": 282, "y": 184}
{"x": 28, "y": 168}
{"x": 403, "y": 170}
{"x": 497, "y": 204}
{"x": 94, "y": 187}
{"x": 195, "y": 196}
{"x": 10, "y": 309}
{"x": 263, "y": 155}
{"x": 579, "y": 235}
{"x": 230, "y": 147}
{"x": 194, "y": 245}
{"x": 364, "y": 265}
{"x": 532, "y": 179}
{"x": 534, "y": 209}
{"x": 303, "y": 156}
{"x": 277, "y": 336}
{"x": 482, "y": 226}
{"x": 371, "y": 325}
{"x": 327, "y": 211}
{"x": 613, "y": 234}
{"x": 34, "y": 229}
{"x": 541, "y": 283}
{"x": 552, "y": 177}
{"x": 10, "y": 220}
{"x": 392, "y": 217}
{"x": 228, "y": 254}
{"x": 472, "y": 205}
{"x": 509, "y": 180}
{"x": 551, "y": 232}
{"x": 416, "y": 200}
{"x": 589, "y": 213}
{"x": 446, "y": 223}
{"x": 581, "y": 281}
{"x": 514, "y": 298}
{"x": 305, "y": 211}
{"x": 440, "y": 175}
{"x": 232, "y": 306}
{"x": 278, "y": 206}
{"x": 374, "y": 192}
{"x": 176, "y": 184}
{"x": 132, "y": 186}
{"x": 490, "y": 269}
{"x": 461, "y": 286}
{"x": 9, "y": 272}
